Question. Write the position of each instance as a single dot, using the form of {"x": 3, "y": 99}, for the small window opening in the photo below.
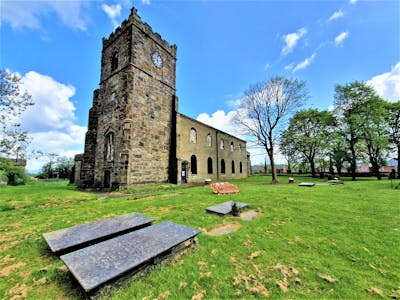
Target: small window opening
{"x": 193, "y": 164}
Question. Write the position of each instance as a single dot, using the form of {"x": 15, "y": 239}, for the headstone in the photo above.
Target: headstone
{"x": 73, "y": 238}
{"x": 97, "y": 264}
{"x": 225, "y": 208}
{"x": 308, "y": 184}
{"x": 207, "y": 181}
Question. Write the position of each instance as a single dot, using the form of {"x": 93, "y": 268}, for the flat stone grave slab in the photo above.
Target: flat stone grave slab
{"x": 336, "y": 181}
{"x": 97, "y": 264}
{"x": 73, "y": 238}
{"x": 225, "y": 208}
{"x": 309, "y": 184}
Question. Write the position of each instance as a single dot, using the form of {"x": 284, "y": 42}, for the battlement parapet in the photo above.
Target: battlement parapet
{"x": 135, "y": 20}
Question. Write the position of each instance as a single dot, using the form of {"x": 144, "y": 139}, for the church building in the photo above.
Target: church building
{"x": 135, "y": 133}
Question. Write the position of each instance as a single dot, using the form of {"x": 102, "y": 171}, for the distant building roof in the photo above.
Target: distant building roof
{"x": 257, "y": 168}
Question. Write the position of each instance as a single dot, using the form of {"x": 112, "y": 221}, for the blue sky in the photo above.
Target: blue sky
{"x": 223, "y": 47}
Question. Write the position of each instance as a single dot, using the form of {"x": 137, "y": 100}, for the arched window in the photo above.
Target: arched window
{"x": 233, "y": 167}
{"x": 193, "y": 135}
{"x": 222, "y": 166}
{"x": 232, "y": 146}
{"x": 221, "y": 144}
{"x": 209, "y": 166}
{"x": 240, "y": 168}
{"x": 193, "y": 164}
{"x": 109, "y": 146}
{"x": 114, "y": 61}
{"x": 209, "y": 140}
{"x": 240, "y": 148}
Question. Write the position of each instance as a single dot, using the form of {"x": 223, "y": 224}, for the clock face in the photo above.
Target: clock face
{"x": 157, "y": 60}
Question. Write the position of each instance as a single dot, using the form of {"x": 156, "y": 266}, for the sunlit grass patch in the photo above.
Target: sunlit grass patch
{"x": 320, "y": 242}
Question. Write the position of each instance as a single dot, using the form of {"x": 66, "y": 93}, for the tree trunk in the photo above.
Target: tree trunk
{"x": 312, "y": 165}
{"x": 353, "y": 162}
{"x": 339, "y": 170}
{"x": 398, "y": 161}
{"x": 272, "y": 161}
{"x": 375, "y": 169}
{"x": 331, "y": 170}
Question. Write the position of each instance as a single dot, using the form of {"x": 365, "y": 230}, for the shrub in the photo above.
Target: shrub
{"x": 114, "y": 186}
{"x": 14, "y": 173}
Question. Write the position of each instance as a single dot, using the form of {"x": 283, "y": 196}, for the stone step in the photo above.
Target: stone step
{"x": 225, "y": 208}
{"x": 98, "y": 264}
{"x": 73, "y": 238}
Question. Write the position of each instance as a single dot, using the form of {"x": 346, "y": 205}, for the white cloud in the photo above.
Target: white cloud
{"x": 292, "y": 39}
{"x": 266, "y": 67}
{"x": 289, "y": 67}
{"x": 305, "y": 63}
{"x": 53, "y": 108}
{"x": 353, "y": 1}
{"x": 219, "y": 120}
{"x": 387, "y": 85}
{"x": 336, "y": 15}
{"x": 28, "y": 14}
{"x": 146, "y": 2}
{"x": 51, "y": 121}
{"x": 339, "y": 39}
{"x": 112, "y": 11}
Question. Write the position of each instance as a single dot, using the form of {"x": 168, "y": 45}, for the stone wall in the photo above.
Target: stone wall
{"x": 207, "y": 145}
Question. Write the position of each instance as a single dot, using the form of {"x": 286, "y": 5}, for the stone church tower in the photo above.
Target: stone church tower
{"x": 135, "y": 133}
{"x": 132, "y": 123}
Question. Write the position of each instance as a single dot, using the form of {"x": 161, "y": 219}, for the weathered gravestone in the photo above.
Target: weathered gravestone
{"x": 225, "y": 208}
{"x": 73, "y": 238}
{"x": 98, "y": 264}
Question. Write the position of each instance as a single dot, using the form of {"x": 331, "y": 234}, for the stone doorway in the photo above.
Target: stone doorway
{"x": 184, "y": 172}
{"x": 107, "y": 179}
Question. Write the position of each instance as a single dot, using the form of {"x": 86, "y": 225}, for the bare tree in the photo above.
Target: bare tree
{"x": 13, "y": 140}
{"x": 265, "y": 108}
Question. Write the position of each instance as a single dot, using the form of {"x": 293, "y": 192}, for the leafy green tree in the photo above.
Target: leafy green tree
{"x": 49, "y": 169}
{"x": 291, "y": 156}
{"x": 393, "y": 120}
{"x": 56, "y": 167}
{"x": 308, "y": 134}
{"x": 64, "y": 167}
{"x": 337, "y": 151}
{"x": 264, "y": 109}
{"x": 360, "y": 114}
{"x": 14, "y": 173}
{"x": 13, "y": 140}
{"x": 375, "y": 132}
{"x": 350, "y": 101}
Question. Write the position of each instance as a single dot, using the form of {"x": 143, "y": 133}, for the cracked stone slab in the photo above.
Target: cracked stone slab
{"x": 225, "y": 208}
{"x": 97, "y": 264}
{"x": 73, "y": 238}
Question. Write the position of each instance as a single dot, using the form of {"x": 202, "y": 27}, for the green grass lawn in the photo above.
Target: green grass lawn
{"x": 320, "y": 242}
